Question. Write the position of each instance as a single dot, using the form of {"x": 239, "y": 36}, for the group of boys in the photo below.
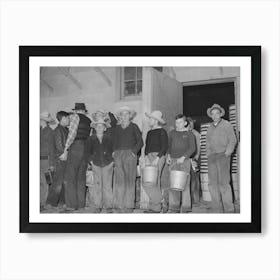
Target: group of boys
{"x": 112, "y": 146}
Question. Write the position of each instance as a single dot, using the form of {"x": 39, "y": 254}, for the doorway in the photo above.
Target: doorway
{"x": 198, "y": 98}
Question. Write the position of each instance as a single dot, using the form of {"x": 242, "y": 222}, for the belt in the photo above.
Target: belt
{"x": 44, "y": 157}
{"x": 79, "y": 141}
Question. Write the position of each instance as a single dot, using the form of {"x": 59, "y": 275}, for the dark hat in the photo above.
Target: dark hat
{"x": 80, "y": 106}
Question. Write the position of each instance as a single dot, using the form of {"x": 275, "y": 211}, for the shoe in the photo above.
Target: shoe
{"x": 47, "y": 207}
{"x": 117, "y": 210}
{"x": 108, "y": 210}
{"x": 69, "y": 209}
{"x": 128, "y": 210}
{"x": 173, "y": 211}
{"x": 186, "y": 211}
{"x": 151, "y": 211}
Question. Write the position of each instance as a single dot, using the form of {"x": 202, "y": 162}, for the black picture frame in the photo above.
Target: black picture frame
{"x": 25, "y": 52}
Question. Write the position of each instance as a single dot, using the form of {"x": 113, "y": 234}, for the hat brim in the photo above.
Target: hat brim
{"x": 209, "y": 110}
{"x": 131, "y": 112}
{"x": 48, "y": 120}
{"x": 80, "y": 109}
{"x": 162, "y": 121}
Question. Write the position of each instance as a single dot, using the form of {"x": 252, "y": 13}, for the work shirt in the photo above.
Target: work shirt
{"x": 59, "y": 136}
{"x": 156, "y": 141}
{"x": 100, "y": 153}
{"x": 181, "y": 143}
{"x": 220, "y": 138}
{"x": 129, "y": 138}
{"x": 73, "y": 129}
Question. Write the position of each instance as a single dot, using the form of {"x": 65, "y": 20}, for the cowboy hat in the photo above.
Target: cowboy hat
{"x": 157, "y": 115}
{"x": 215, "y": 106}
{"x": 104, "y": 114}
{"x": 126, "y": 108}
{"x": 102, "y": 111}
{"x": 103, "y": 121}
{"x": 80, "y": 106}
{"x": 46, "y": 116}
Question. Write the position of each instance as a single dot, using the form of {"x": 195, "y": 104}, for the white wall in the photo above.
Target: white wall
{"x": 95, "y": 93}
{"x": 191, "y": 74}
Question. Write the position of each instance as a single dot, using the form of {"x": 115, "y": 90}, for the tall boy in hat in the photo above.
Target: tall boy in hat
{"x": 46, "y": 153}
{"x": 220, "y": 143}
{"x": 155, "y": 151}
{"x": 127, "y": 142}
{"x": 100, "y": 149}
{"x": 60, "y": 134}
{"x": 181, "y": 148}
{"x": 75, "y": 154}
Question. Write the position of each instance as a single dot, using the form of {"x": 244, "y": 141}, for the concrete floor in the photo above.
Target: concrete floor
{"x": 202, "y": 207}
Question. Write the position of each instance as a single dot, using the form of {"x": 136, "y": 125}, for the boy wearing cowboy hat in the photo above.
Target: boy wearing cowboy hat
{"x": 75, "y": 154}
{"x": 181, "y": 148}
{"x": 101, "y": 113}
{"x": 127, "y": 142}
{"x": 100, "y": 149}
{"x": 155, "y": 150}
{"x": 46, "y": 153}
{"x": 220, "y": 143}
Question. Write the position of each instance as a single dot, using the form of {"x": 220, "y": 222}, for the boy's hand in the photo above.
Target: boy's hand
{"x": 168, "y": 159}
{"x": 155, "y": 162}
{"x": 63, "y": 157}
{"x": 51, "y": 168}
{"x": 227, "y": 154}
{"x": 181, "y": 160}
{"x": 147, "y": 162}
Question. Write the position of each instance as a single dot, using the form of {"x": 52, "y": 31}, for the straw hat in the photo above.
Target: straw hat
{"x": 46, "y": 116}
{"x": 126, "y": 108}
{"x": 104, "y": 114}
{"x": 215, "y": 106}
{"x": 103, "y": 121}
{"x": 157, "y": 115}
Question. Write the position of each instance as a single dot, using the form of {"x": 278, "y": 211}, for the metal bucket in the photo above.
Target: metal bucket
{"x": 150, "y": 174}
{"x": 178, "y": 180}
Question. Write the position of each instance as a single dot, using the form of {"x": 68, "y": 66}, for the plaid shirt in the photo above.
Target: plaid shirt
{"x": 73, "y": 128}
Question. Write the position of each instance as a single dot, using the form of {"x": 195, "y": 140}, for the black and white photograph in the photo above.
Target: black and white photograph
{"x": 139, "y": 139}
{"x": 117, "y": 140}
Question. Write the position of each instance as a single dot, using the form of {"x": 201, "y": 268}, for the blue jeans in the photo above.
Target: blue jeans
{"x": 101, "y": 193}
{"x": 154, "y": 190}
{"x": 181, "y": 200}
{"x": 75, "y": 176}
{"x": 219, "y": 183}
{"x": 44, "y": 187}
{"x": 124, "y": 179}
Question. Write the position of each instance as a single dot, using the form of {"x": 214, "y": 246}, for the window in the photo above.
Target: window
{"x": 131, "y": 81}
{"x": 158, "y": 68}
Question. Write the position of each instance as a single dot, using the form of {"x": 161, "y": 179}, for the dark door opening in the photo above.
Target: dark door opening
{"x": 198, "y": 98}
